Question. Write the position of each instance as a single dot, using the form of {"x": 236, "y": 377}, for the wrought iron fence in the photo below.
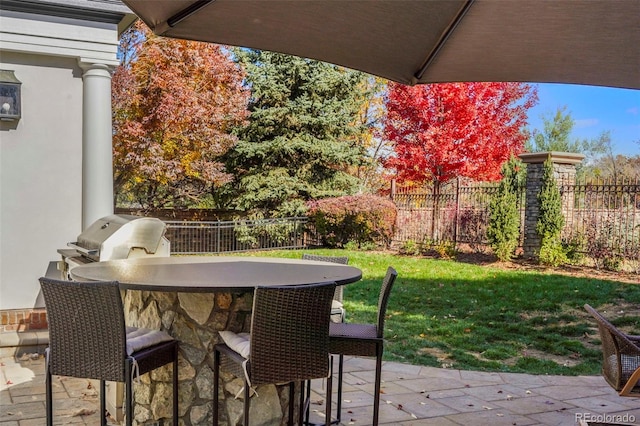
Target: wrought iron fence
{"x": 456, "y": 213}
{"x": 605, "y": 216}
{"x": 188, "y": 237}
{"x": 599, "y": 215}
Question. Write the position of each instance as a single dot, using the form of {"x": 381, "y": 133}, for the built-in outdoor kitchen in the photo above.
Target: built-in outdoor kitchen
{"x": 116, "y": 237}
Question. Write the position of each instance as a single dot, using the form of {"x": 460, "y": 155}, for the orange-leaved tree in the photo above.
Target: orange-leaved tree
{"x": 443, "y": 131}
{"x": 175, "y": 104}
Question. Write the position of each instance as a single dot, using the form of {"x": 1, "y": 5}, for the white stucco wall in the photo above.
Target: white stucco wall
{"x": 41, "y": 155}
{"x": 40, "y": 173}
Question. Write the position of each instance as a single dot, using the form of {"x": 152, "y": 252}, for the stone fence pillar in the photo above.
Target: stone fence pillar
{"x": 564, "y": 171}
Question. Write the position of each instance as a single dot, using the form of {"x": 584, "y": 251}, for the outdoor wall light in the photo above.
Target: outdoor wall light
{"x": 10, "y": 103}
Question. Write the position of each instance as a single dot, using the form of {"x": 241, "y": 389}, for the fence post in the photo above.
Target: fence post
{"x": 218, "y": 232}
{"x": 457, "y": 214}
{"x": 564, "y": 170}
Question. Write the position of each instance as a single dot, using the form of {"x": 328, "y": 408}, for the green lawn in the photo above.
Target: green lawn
{"x": 450, "y": 314}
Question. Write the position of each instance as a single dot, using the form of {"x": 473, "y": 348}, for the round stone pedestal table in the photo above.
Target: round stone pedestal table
{"x": 192, "y": 298}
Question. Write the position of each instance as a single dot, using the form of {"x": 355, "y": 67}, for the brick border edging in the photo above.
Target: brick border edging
{"x": 21, "y": 320}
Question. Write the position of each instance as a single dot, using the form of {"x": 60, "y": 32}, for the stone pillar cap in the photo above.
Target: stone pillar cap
{"x": 556, "y": 157}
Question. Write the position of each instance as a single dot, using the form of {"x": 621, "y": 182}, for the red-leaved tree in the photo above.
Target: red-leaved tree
{"x": 443, "y": 131}
{"x": 175, "y": 103}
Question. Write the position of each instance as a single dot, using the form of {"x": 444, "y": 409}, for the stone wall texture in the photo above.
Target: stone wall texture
{"x": 195, "y": 319}
{"x": 565, "y": 174}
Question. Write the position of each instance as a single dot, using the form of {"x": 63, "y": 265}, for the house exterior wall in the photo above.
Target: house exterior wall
{"x": 41, "y": 155}
{"x": 40, "y": 174}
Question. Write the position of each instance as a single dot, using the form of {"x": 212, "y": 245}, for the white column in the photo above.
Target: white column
{"x": 97, "y": 155}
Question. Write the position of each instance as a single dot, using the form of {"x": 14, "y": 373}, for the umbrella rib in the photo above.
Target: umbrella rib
{"x": 187, "y": 11}
{"x": 443, "y": 39}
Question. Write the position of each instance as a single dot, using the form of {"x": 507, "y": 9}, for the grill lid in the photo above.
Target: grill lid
{"x": 114, "y": 236}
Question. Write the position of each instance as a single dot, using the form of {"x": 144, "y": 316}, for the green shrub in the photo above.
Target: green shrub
{"x": 574, "y": 248}
{"x": 445, "y": 249}
{"x": 503, "y": 231}
{"x": 550, "y": 219}
{"x": 263, "y": 230}
{"x": 363, "y": 219}
{"x": 246, "y": 235}
{"x": 472, "y": 225}
{"x": 612, "y": 263}
{"x": 365, "y": 246}
{"x": 410, "y": 247}
{"x": 552, "y": 252}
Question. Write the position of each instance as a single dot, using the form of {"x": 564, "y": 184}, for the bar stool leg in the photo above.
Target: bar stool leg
{"x": 329, "y": 392}
{"x": 340, "y": 374}
{"x": 49, "y": 397}
{"x": 216, "y": 379}
{"x": 247, "y": 402}
{"x": 128, "y": 395}
{"x": 302, "y": 408}
{"x": 175, "y": 386}
{"x": 376, "y": 395}
{"x": 292, "y": 393}
{"x": 103, "y": 404}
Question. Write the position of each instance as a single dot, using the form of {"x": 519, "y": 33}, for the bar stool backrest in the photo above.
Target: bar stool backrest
{"x": 87, "y": 333}
{"x": 342, "y": 260}
{"x": 383, "y": 299}
{"x": 290, "y": 333}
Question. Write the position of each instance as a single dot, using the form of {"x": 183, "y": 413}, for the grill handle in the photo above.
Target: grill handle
{"x": 83, "y": 250}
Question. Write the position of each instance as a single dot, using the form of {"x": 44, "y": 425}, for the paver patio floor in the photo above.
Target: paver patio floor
{"x": 411, "y": 395}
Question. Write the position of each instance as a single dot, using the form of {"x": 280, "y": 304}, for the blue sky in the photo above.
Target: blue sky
{"x": 594, "y": 110}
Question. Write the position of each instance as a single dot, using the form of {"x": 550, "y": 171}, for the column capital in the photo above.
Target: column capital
{"x": 555, "y": 156}
{"x": 95, "y": 68}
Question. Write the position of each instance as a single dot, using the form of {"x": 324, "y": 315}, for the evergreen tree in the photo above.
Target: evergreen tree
{"x": 503, "y": 231}
{"x": 550, "y": 219}
{"x": 301, "y": 136}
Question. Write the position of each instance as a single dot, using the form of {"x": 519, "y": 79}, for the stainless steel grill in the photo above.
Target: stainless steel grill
{"x": 110, "y": 238}
{"x": 116, "y": 237}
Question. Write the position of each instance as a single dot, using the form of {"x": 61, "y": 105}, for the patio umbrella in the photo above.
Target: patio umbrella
{"x": 595, "y": 42}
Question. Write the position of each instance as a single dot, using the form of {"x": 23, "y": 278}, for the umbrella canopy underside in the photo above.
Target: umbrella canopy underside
{"x": 594, "y": 42}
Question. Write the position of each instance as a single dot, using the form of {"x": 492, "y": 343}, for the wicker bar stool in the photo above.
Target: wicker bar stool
{"x": 288, "y": 343}
{"x": 88, "y": 339}
{"x": 337, "y": 309}
{"x": 621, "y": 356}
{"x": 363, "y": 340}
{"x": 337, "y": 315}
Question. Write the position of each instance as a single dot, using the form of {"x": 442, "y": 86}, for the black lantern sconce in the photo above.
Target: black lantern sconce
{"x": 10, "y": 97}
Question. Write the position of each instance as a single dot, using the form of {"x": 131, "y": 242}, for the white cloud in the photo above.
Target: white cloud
{"x": 633, "y": 111}
{"x": 586, "y": 122}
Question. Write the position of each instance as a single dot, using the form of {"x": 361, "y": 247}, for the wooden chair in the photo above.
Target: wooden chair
{"x": 364, "y": 340}
{"x": 88, "y": 339}
{"x": 288, "y": 343}
{"x": 621, "y": 356}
